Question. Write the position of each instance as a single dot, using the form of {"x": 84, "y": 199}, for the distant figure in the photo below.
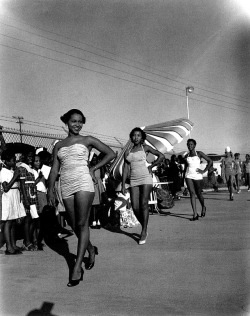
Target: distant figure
{"x": 228, "y": 171}
{"x": 238, "y": 171}
{"x": 193, "y": 176}
{"x": 246, "y": 170}
{"x": 174, "y": 176}
{"x": 212, "y": 178}
{"x": 141, "y": 181}
{"x": 70, "y": 156}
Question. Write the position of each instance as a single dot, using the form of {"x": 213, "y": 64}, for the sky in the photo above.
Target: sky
{"x": 126, "y": 64}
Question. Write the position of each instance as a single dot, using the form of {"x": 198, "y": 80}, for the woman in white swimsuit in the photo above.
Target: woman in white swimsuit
{"x": 70, "y": 156}
{"x": 193, "y": 176}
{"x": 141, "y": 181}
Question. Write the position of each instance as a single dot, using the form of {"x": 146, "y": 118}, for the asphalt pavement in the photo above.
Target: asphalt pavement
{"x": 185, "y": 267}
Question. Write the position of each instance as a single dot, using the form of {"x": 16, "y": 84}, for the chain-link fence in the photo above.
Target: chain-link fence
{"x": 38, "y": 140}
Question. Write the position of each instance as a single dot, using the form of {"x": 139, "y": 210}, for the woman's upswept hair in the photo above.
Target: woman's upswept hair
{"x": 138, "y": 129}
{"x": 66, "y": 117}
{"x": 191, "y": 140}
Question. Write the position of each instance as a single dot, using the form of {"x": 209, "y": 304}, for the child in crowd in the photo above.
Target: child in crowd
{"x": 29, "y": 198}
{"x": 42, "y": 199}
{"x": 12, "y": 207}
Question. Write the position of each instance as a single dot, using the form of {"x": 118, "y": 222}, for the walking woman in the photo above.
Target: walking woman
{"x": 141, "y": 181}
{"x": 71, "y": 157}
{"x": 228, "y": 171}
{"x": 194, "y": 178}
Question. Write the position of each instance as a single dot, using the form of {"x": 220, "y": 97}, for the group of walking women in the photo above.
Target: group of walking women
{"x": 70, "y": 156}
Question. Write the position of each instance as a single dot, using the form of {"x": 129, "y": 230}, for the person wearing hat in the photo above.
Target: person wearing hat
{"x": 228, "y": 170}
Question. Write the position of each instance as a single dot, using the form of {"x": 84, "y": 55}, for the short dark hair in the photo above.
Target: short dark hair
{"x": 191, "y": 140}
{"x": 7, "y": 155}
{"x": 66, "y": 117}
{"x": 138, "y": 129}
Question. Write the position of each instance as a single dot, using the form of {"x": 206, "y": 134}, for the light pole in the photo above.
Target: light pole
{"x": 189, "y": 89}
{"x": 20, "y": 122}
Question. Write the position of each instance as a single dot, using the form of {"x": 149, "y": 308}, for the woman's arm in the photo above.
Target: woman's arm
{"x": 53, "y": 176}
{"x": 108, "y": 153}
{"x": 125, "y": 173}
{"x": 209, "y": 162}
{"x": 158, "y": 154}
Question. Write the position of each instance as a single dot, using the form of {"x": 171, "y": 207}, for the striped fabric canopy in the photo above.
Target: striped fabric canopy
{"x": 161, "y": 137}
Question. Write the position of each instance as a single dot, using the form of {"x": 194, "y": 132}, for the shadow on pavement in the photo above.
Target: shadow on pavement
{"x": 45, "y": 310}
{"x": 117, "y": 230}
{"x": 60, "y": 246}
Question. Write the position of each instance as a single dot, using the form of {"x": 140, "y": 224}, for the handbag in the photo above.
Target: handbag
{"x": 164, "y": 198}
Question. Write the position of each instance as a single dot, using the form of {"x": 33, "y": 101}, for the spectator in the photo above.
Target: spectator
{"x": 246, "y": 170}
{"x": 238, "y": 171}
{"x": 228, "y": 171}
{"x": 12, "y": 208}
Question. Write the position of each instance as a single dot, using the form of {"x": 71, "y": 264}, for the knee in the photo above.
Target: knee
{"x": 82, "y": 225}
{"x": 144, "y": 205}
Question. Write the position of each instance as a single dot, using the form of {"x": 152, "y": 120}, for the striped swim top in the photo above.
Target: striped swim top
{"x": 73, "y": 156}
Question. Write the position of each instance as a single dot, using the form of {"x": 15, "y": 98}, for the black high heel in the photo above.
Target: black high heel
{"x": 195, "y": 218}
{"x": 89, "y": 265}
{"x": 76, "y": 282}
{"x": 203, "y": 212}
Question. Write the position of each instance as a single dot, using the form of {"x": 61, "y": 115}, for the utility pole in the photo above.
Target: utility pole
{"x": 20, "y": 122}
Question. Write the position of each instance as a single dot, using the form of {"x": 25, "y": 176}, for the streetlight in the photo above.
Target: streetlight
{"x": 189, "y": 89}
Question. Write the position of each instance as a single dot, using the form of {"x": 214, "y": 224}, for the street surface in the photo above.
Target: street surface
{"x": 185, "y": 268}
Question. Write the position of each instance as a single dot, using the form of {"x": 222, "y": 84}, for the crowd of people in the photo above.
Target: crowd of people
{"x": 41, "y": 192}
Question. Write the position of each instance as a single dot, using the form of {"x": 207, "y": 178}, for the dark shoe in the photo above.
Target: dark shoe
{"x": 231, "y": 198}
{"x": 89, "y": 265}
{"x": 195, "y": 218}
{"x": 203, "y": 212}
{"x": 16, "y": 252}
{"x": 75, "y": 282}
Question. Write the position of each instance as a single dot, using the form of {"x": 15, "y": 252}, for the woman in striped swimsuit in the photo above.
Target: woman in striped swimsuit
{"x": 70, "y": 156}
{"x": 141, "y": 181}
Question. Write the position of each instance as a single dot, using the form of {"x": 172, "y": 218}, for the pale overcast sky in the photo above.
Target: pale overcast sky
{"x": 127, "y": 64}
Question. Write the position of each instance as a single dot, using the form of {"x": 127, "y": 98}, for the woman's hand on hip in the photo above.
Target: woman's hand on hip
{"x": 199, "y": 170}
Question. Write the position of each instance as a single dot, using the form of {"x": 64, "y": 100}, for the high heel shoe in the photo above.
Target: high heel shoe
{"x": 195, "y": 218}
{"x": 143, "y": 241}
{"x": 89, "y": 265}
{"x": 76, "y": 282}
{"x": 203, "y": 212}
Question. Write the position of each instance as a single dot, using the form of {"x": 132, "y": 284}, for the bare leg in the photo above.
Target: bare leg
{"x": 198, "y": 191}
{"x": 230, "y": 186}
{"x": 7, "y": 236}
{"x": 135, "y": 198}
{"x": 81, "y": 208}
{"x": 71, "y": 218}
{"x": 13, "y": 235}
{"x": 27, "y": 222}
{"x": 191, "y": 190}
{"x": 144, "y": 208}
